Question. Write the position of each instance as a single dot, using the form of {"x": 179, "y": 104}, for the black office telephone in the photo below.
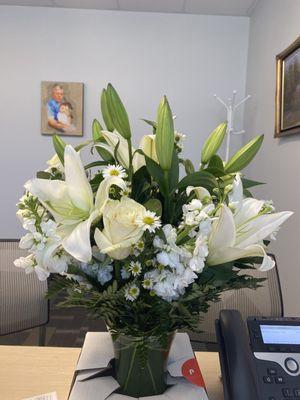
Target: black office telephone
{"x": 261, "y": 362}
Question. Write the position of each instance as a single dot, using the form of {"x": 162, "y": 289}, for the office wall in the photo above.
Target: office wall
{"x": 144, "y": 55}
{"x": 273, "y": 26}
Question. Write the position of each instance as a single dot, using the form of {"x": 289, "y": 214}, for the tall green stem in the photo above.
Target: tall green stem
{"x": 130, "y": 168}
{"x": 167, "y": 207}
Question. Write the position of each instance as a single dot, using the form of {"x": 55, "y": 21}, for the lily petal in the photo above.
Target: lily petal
{"x": 259, "y": 228}
{"x": 235, "y": 197}
{"x": 200, "y": 191}
{"x": 77, "y": 183}
{"x": 102, "y": 194}
{"x": 223, "y": 230}
{"x": 112, "y": 139}
{"x": 78, "y": 243}
{"x": 227, "y": 254}
{"x": 249, "y": 209}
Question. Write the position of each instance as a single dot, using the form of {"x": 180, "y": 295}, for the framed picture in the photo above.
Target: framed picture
{"x": 288, "y": 91}
{"x": 62, "y": 108}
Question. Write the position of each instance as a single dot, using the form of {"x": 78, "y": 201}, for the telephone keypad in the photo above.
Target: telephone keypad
{"x": 272, "y": 371}
{"x": 279, "y": 379}
{"x": 268, "y": 379}
{"x": 287, "y": 392}
{"x": 297, "y": 392}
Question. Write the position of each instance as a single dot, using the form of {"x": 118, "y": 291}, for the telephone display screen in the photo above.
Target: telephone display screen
{"x": 280, "y": 334}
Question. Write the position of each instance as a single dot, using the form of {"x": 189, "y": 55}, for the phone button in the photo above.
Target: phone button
{"x": 291, "y": 365}
{"x": 279, "y": 379}
{"x": 272, "y": 371}
{"x": 268, "y": 379}
{"x": 297, "y": 392}
{"x": 287, "y": 392}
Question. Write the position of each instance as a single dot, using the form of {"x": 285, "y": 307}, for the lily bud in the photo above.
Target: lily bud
{"x": 164, "y": 135}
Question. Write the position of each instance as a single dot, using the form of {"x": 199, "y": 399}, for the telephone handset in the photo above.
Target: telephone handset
{"x": 237, "y": 364}
{"x": 261, "y": 362}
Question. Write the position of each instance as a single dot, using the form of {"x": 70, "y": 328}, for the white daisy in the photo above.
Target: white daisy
{"x": 148, "y": 283}
{"x": 149, "y": 221}
{"x": 135, "y": 268}
{"x": 114, "y": 170}
{"x": 132, "y": 293}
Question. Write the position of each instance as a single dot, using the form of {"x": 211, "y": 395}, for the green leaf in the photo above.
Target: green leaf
{"x": 43, "y": 175}
{"x": 105, "y": 112}
{"x": 82, "y": 145}
{"x": 117, "y": 112}
{"x": 164, "y": 140}
{"x": 154, "y": 205}
{"x": 157, "y": 174}
{"x": 97, "y": 137}
{"x": 95, "y": 164}
{"x": 174, "y": 171}
{"x": 216, "y": 166}
{"x": 188, "y": 166}
{"x": 213, "y": 143}
{"x": 151, "y": 123}
{"x": 59, "y": 146}
{"x": 200, "y": 178}
{"x": 248, "y": 183}
{"x": 244, "y": 156}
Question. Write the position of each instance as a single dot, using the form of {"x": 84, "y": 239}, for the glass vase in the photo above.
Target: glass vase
{"x": 140, "y": 364}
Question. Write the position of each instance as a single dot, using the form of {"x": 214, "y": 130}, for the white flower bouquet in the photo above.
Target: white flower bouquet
{"x": 131, "y": 241}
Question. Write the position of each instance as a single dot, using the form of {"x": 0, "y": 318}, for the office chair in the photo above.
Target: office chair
{"x": 22, "y": 296}
{"x": 265, "y": 301}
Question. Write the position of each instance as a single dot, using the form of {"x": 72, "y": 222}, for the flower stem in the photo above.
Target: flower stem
{"x": 130, "y": 168}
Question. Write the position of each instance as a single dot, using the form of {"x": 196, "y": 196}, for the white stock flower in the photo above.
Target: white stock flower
{"x": 121, "y": 230}
{"x": 72, "y": 204}
{"x": 27, "y": 263}
{"x": 27, "y": 241}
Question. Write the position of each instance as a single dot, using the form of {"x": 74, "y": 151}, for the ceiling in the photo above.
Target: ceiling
{"x": 206, "y": 7}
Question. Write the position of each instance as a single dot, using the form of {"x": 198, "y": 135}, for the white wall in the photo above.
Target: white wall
{"x": 144, "y": 55}
{"x": 273, "y": 26}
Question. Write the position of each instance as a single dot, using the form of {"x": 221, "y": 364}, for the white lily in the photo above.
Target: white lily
{"x": 147, "y": 144}
{"x": 72, "y": 204}
{"x": 112, "y": 140}
{"x": 240, "y": 236}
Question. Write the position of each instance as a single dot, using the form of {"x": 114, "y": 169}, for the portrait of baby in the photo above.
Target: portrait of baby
{"x": 62, "y": 108}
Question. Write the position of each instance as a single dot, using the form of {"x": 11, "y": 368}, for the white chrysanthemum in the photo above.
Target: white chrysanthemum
{"x": 149, "y": 221}
{"x": 135, "y": 268}
{"x": 114, "y": 170}
{"x": 132, "y": 293}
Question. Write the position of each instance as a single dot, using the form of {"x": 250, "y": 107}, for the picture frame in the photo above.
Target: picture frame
{"x": 62, "y": 108}
{"x": 287, "y": 115}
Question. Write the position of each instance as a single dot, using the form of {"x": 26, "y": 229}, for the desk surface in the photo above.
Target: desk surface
{"x": 28, "y": 371}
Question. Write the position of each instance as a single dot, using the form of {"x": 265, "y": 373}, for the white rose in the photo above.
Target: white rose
{"x": 121, "y": 230}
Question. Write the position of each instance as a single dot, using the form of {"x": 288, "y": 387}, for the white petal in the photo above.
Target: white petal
{"x": 223, "y": 230}
{"x": 79, "y": 189}
{"x": 103, "y": 191}
{"x": 235, "y": 197}
{"x": 200, "y": 191}
{"x": 112, "y": 139}
{"x": 227, "y": 254}
{"x": 249, "y": 209}
{"x": 260, "y": 228}
{"x": 78, "y": 243}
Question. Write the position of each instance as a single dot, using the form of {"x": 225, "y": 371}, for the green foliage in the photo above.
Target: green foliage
{"x": 244, "y": 156}
{"x": 97, "y": 137}
{"x": 200, "y": 178}
{"x": 213, "y": 143}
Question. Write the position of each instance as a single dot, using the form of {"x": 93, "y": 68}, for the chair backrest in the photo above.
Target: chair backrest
{"x": 265, "y": 301}
{"x": 22, "y": 296}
